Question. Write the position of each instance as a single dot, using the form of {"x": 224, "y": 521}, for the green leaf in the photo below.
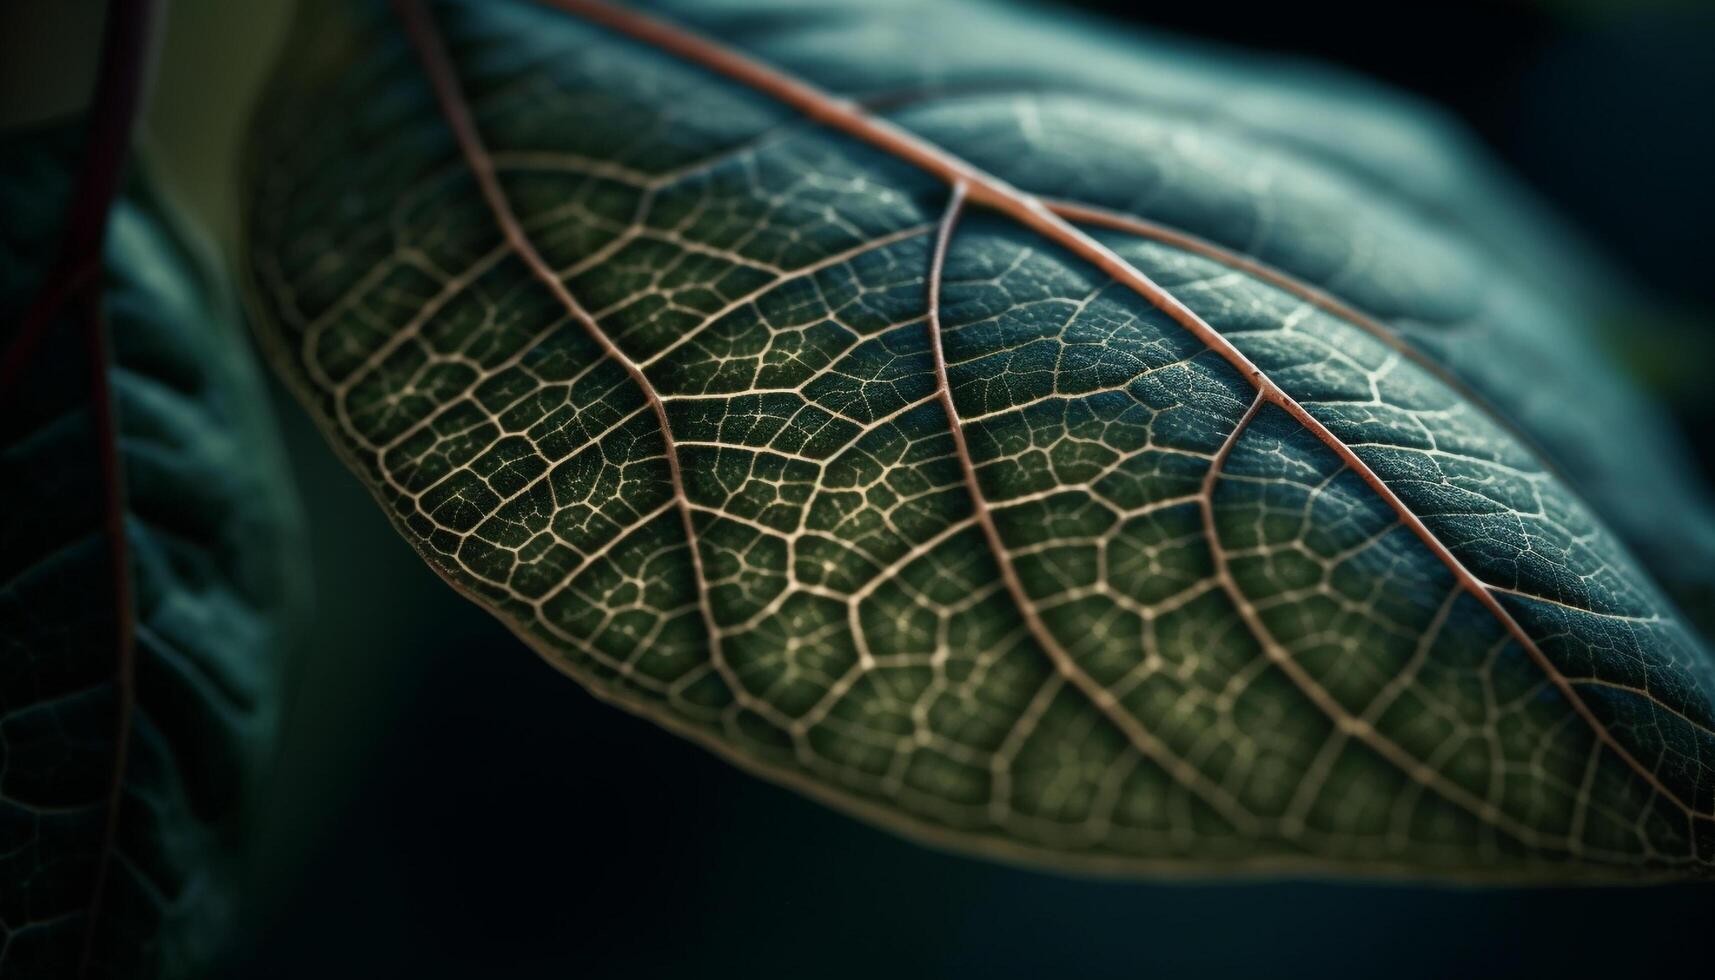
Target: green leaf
{"x": 1273, "y": 511}
{"x": 138, "y": 700}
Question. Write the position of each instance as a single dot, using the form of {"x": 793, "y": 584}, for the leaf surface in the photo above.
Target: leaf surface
{"x": 1049, "y": 445}
{"x": 139, "y": 678}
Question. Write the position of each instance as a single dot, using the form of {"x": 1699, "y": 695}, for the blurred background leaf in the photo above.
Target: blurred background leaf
{"x": 148, "y": 517}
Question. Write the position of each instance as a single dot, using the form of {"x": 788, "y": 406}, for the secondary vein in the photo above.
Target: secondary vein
{"x": 437, "y": 65}
{"x": 1103, "y": 700}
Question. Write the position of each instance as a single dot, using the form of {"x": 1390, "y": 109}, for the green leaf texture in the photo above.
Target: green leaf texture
{"x": 152, "y": 810}
{"x": 1277, "y": 513}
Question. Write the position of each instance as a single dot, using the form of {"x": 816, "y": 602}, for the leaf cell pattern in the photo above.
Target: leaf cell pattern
{"x": 1070, "y": 544}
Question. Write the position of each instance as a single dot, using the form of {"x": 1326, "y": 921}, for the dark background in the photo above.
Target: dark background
{"x": 448, "y": 806}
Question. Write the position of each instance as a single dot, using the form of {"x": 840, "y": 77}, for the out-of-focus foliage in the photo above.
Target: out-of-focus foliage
{"x": 135, "y": 776}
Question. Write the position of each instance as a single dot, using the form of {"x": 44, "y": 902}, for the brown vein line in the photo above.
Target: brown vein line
{"x": 424, "y": 35}
{"x": 125, "y": 52}
{"x": 1104, "y": 701}
{"x": 1345, "y": 721}
{"x": 985, "y": 189}
{"x": 1545, "y": 600}
{"x": 1320, "y": 298}
{"x": 1647, "y": 695}
{"x": 106, "y": 419}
